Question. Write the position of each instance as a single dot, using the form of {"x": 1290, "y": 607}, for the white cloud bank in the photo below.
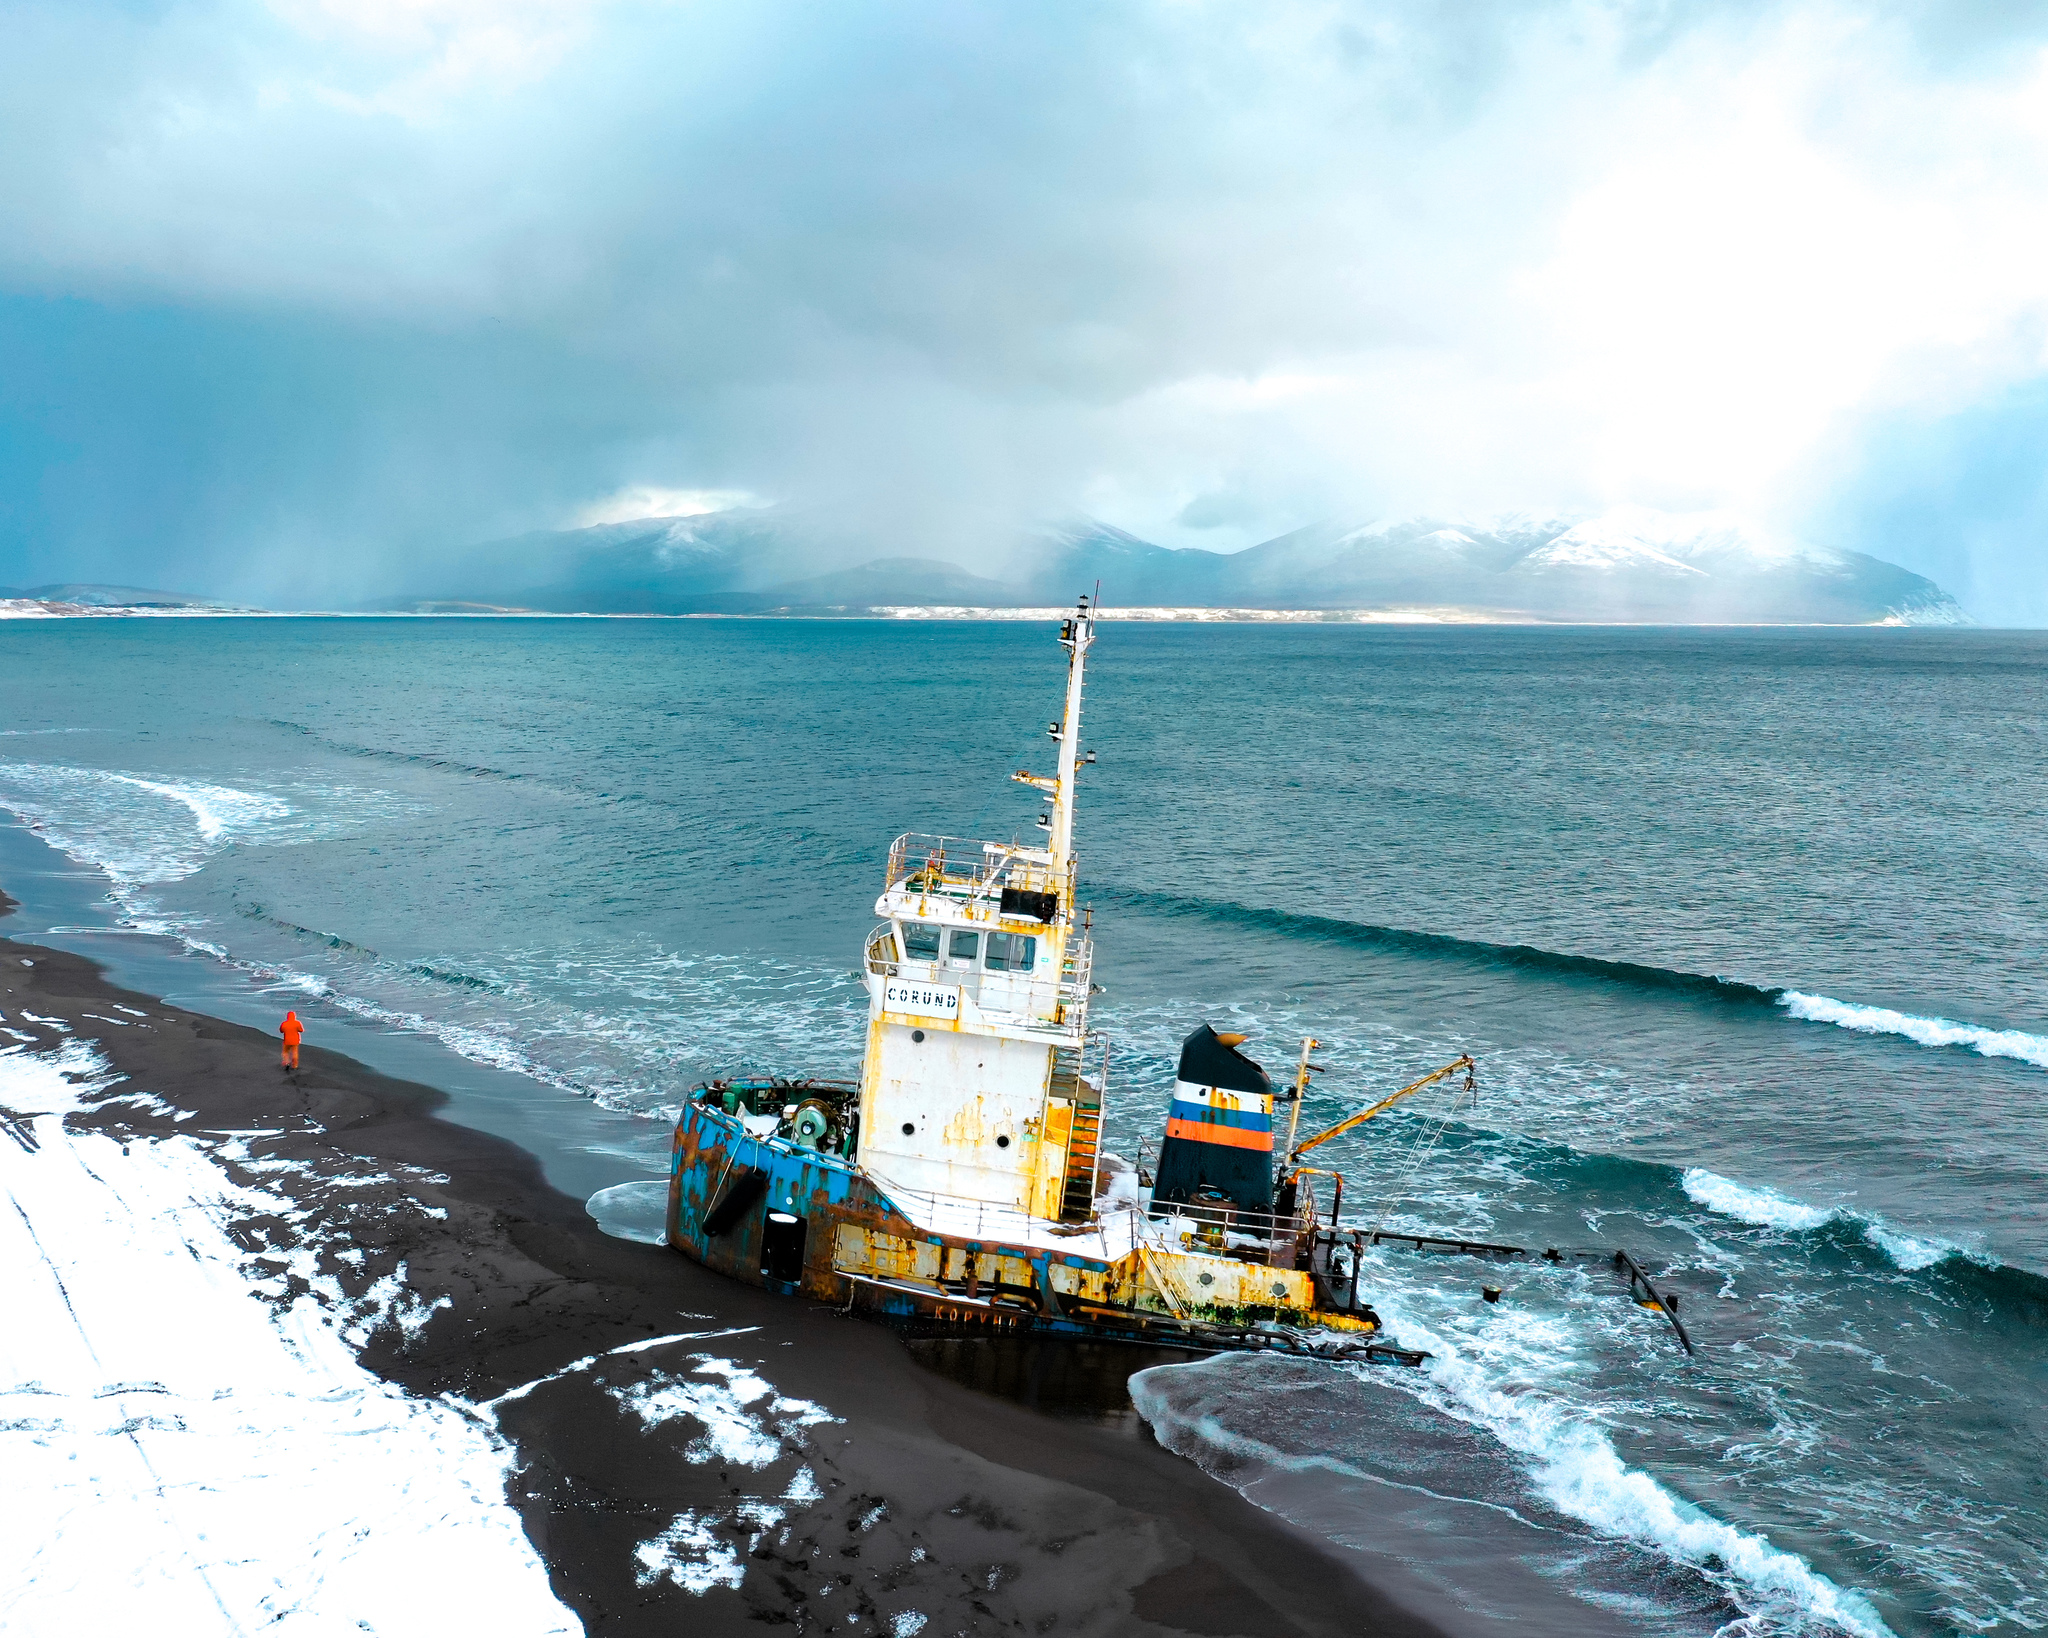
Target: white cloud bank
{"x": 1207, "y": 269}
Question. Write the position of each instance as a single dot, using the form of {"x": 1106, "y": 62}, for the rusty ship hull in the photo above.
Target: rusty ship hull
{"x": 777, "y": 1214}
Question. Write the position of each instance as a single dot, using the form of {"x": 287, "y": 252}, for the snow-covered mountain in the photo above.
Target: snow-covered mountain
{"x": 1630, "y": 564}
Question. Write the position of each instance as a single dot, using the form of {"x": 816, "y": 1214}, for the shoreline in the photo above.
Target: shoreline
{"x": 1420, "y": 617}
{"x": 684, "y": 1448}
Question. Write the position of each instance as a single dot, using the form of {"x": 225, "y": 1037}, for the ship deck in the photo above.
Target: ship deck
{"x": 1108, "y": 1239}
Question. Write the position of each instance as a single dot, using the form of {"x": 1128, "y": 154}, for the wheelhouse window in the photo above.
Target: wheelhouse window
{"x": 920, "y": 941}
{"x": 964, "y": 949}
{"x": 1011, "y": 952}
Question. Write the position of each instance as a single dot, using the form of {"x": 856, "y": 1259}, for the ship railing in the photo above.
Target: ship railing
{"x": 1276, "y": 1239}
{"x": 881, "y": 953}
{"x": 963, "y": 1216}
{"x": 949, "y": 864}
{"x": 1273, "y": 1239}
{"x": 1077, "y": 980}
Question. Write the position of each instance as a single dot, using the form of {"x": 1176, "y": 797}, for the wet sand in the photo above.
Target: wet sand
{"x": 653, "y": 1470}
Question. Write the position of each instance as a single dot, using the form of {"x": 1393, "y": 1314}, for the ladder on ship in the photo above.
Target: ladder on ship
{"x": 1084, "y": 1141}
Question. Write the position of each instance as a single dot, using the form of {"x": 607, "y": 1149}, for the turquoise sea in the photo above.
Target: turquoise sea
{"x": 1745, "y": 928}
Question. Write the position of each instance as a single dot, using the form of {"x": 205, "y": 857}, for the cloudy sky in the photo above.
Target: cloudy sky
{"x": 292, "y": 291}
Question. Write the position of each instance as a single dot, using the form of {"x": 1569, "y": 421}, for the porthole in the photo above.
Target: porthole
{"x": 917, "y": 1035}
{"x": 908, "y": 1128}
{"x": 1003, "y": 1142}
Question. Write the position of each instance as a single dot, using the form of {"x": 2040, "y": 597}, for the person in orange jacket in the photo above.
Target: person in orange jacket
{"x": 291, "y": 1029}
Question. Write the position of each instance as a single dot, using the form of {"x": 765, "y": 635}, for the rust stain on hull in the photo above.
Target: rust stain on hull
{"x": 860, "y": 1252}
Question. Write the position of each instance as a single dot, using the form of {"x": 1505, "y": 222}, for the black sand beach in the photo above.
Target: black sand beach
{"x": 979, "y": 1512}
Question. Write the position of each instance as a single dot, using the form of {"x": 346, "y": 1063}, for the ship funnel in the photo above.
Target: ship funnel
{"x": 1219, "y": 1131}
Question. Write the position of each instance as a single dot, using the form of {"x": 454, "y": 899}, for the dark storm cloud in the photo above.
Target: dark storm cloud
{"x": 198, "y": 449}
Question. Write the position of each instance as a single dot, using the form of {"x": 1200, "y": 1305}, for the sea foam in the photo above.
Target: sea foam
{"x": 1574, "y": 1466}
{"x": 1992, "y": 1043}
{"x": 1766, "y": 1207}
{"x": 1570, "y": 1463}
{"x": 632, "y": 1211}
{"x": 1751, "y": 1203}
{"x": 138, "y": 830}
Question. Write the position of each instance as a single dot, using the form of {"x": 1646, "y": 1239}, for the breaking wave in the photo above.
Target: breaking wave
{"x": 88, "y": 814}
{"x": 334, "y": 941}
{"x": 1567, "y": 1463}
{"x": 1753, "y": 1204}
{"x": 216, "y": 809}
{"x": 1767, "y": 1208}
{"x": 1817, "y": 1009}
{"x": 1936, "y": 1032}
{"x": 1576, "y": 1468}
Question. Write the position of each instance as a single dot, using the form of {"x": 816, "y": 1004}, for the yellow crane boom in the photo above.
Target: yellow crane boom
{"x": 1466, "y": 1063}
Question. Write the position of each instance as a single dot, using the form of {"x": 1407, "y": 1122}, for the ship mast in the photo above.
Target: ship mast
{"x": 1077, "y": 634}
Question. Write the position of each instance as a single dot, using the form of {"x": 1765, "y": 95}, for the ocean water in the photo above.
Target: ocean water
{"x": 1745, "y": 929}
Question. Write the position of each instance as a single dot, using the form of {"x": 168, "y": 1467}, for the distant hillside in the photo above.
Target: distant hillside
{"x": 71, "y": 598}
{"x": 1628, "y": 565}
{"x": 107, "y": 597}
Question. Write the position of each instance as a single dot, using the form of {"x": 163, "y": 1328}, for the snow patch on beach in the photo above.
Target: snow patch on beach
{"x": 186, "y": 1453}
{"x": 722, "y": 1397}
{"x": 746, "y": 1423}
{"x": 694, "y": 1554}
{"x": 1766, "y": 1207}
{"x": 803, "y": 1490}
{"x": 691, "y": 1554}
{"x": 1991, "y": 1043}
{"x": 69, "y": 1077}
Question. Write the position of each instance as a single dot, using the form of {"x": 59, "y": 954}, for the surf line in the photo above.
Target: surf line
{"x": 1800, "y": 1004}
{"x": 1448, "y": 947}
{"x": 1933, "y": 1032}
